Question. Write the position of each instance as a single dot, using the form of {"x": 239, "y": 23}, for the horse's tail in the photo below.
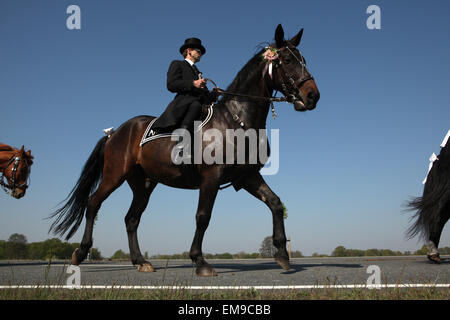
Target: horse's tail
{"x": 421, "y": 218}
{"x": 71, "y": 214}
{"x": 431, "y": 206}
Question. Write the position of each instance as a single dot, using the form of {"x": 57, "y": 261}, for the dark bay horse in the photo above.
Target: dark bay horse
{"x": 433, "y": 207}
{"x": 120, "y": 157}
{"x": 15, "y": 167}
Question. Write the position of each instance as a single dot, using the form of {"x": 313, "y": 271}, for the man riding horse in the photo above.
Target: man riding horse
{"x": 184, "y": 79}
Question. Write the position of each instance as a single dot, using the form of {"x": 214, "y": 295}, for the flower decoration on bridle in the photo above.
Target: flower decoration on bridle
{"x": 270, "y": 55}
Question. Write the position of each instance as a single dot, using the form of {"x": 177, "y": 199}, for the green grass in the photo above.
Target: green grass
{"x": 251, "y": 294}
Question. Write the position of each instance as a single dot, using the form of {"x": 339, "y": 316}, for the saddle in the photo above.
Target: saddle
{"x": 149, "y": 134}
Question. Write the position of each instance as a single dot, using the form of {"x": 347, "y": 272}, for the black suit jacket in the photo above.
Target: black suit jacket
{"x": 180, "y": 78}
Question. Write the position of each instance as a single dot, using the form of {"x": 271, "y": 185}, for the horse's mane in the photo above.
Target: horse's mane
{"x": 248, "y": 72}
{"x": 5, "y": 147}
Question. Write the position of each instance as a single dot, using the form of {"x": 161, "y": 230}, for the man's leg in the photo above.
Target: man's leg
{"x": 194, "y": 113}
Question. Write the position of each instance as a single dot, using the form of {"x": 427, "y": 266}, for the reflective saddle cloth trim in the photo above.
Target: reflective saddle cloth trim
{"x": 148, "y": 137}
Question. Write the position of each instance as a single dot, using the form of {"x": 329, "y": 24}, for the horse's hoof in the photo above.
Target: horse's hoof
{"x": 284, "y": 263}
{"x": 75, "y": 260}
{"x": 146, "y": 267}
{"x": 434, "y": 257}
{"x": 205, "y": 271}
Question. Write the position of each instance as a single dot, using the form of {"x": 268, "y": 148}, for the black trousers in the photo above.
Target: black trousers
{"x": 194, "y": 113}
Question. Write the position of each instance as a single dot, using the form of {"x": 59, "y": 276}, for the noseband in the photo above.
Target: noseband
{"x": 13, "y": 185}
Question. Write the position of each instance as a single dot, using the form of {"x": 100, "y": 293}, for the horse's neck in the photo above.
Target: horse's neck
{"x": 253, "y": 111}
{"x": 5, "y": 147}
{"x": 5, "y": 157}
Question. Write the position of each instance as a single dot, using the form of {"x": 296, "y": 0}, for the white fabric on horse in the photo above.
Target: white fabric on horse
{"x": 433, "y": 158}
{"x": 109, "y": 131}
{"x": 444, "y": 142}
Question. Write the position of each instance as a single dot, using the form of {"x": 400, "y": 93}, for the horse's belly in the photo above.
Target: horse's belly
{"x": 184, "y": 177}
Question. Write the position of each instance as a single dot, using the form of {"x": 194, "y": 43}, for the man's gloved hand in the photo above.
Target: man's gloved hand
{"x": 214, "y": 94}
{"x": 200, "y": 83}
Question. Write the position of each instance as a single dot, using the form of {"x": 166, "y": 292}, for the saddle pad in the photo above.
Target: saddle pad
{"x": 148, "y": 136}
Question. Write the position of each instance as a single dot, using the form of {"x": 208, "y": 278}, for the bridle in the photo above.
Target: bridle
{"x": 292, "y": 85}
{"x": 288, "y": 84}
{"x": 10, "y": 187}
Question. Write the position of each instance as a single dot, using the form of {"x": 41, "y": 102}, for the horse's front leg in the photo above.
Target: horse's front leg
{"x": 208, "y": 193}
{"x": 256, "y": 186}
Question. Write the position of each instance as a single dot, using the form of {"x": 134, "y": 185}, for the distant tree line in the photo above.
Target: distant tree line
{"x": 17, "y": 247}
{"x": 267, "y": 250}
{"x": 225, "y": 255}
{"x": 341, "y": 251}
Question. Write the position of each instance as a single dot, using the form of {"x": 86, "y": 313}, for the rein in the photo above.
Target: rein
{"x": 270, "y": 99}
{"x": 224, "y": 92}
{"x": 234, "y": 115}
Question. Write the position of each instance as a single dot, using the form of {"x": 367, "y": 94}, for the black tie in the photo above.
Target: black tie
{"x": 195, "y": 69}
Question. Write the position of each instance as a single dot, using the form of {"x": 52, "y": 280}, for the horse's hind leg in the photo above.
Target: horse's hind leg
{"x": 109, "y": 183}
{"x": 435, "y": 233}
{"x": 208, "y": 193}
{"x": 256, "y": 186}
{"x": 141, "y": 194}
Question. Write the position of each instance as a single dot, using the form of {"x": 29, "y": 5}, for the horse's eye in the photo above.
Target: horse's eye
{"x": 287, "y": 61}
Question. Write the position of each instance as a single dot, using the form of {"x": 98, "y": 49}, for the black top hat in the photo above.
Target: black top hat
{"x": 193, "y": 43}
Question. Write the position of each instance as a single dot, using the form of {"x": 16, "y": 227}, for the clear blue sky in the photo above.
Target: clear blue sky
{"x": 346, "y": 168}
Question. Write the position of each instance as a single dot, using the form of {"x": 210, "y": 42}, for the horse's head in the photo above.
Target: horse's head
{"x": 290, "y": 75}
{"x": 17, "y": 173}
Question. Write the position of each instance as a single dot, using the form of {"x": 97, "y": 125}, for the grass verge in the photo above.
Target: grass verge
{"x": 250, "y": 294}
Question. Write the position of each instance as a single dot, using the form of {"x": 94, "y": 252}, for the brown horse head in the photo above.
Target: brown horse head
{"x": 16, "y": 172}
{"x": 291, "y": 77}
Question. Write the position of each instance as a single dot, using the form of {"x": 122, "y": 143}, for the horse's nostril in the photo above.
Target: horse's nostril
{"x": 313, "y": 96}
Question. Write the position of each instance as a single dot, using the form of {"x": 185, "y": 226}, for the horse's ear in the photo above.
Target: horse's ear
{"x": 279, "y": 36}
{"x": 22, "y": 149}
{"x": 295, "y": 41}
{"x": 30, "y": 157}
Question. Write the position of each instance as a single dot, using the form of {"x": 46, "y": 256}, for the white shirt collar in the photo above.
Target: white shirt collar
{"x": 190, "y": 62}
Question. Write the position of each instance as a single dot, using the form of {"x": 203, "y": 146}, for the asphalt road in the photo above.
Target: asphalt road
{"x": 254, "y": 272}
